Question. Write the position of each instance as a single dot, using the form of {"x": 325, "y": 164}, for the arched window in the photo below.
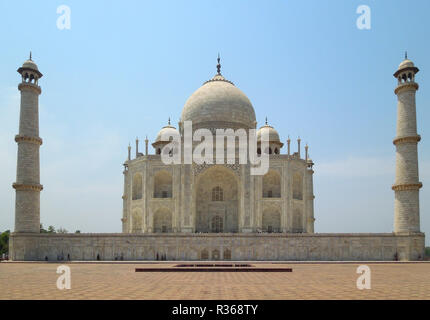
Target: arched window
{"x": 217, "y": 224}
{"x": 270, "y": 150}
{"x": 217, "y": 194}
{"x": 137, "y": 187}
{"x": 158, "y": 150}
{"x": 258, "y": 150}
{"x": 276, "y": 151}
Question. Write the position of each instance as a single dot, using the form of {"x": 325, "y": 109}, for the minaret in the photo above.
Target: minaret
{"x": 27, "y": 185}
{"x": 407, "y": 185}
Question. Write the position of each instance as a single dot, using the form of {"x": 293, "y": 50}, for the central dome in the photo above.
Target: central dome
{"x": 219, "y": 104}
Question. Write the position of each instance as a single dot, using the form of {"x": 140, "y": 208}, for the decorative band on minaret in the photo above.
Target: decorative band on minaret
{"x": 27, "y": 185}
{"x": 407, "y": 185}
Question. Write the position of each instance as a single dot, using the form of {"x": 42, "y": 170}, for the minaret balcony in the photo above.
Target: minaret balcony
{"x": 29, "y": 85}
{"x": 405, "y": 86}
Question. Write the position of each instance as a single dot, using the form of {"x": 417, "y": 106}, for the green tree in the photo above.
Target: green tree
{"x": 51, "y": 229}
{"x": 4, "y": 242}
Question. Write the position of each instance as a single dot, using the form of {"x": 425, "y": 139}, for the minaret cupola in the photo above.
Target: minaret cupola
{"x": 166, "y": 130}
{"x": 275, "y": 143}
{"x": 30, "y": 72}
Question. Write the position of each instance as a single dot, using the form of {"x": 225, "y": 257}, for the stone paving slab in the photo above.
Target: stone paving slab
{"x": 307, "y": 281}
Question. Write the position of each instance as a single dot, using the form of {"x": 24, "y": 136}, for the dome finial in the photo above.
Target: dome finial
{"x": 406, "y": 55}
{"x": 30, "y": 56}
{"x": 266, "y": 121}
{"x": 168, "y": 122}
{"x": 218, "y": 67}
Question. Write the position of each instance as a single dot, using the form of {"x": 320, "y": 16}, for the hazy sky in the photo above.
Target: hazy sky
{"x": 124, "y": 67}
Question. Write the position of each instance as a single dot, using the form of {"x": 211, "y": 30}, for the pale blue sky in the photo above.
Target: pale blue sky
{"x": 126, "y": 66}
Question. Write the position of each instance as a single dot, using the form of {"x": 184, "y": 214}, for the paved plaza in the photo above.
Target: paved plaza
{"x": 307, "y": 281}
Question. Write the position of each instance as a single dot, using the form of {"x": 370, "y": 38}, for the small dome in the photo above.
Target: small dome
{"x": 169, "y": 130}
{"x": 273, "y": 134}
{"x": 406, "y": 64}
{"x": 29, "y": 64}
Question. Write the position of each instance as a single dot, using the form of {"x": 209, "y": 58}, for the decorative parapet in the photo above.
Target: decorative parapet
{"x": 35, "y": 140}
{"x": 407, "y": 186}
{"x": 413, "y": 139}
{"x": 27, "y": 186}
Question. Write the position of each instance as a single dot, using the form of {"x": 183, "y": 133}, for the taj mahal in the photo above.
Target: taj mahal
{"x": 213, "y": 211}
{"x": 218, "y": 198}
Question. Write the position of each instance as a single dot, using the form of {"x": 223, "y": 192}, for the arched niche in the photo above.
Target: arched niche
{"x": 271, "y": 220}
{"x": 137, "y": 186}
{"x": 227, "y": 254}
{"x": 217, "y": 200}
{"x": 162, "y": 221}
{"x": 272, "y": 184}
{"x": 136, "y": 221}
{"x": 297, "y": 186}
{"x": 162, "y": 184}
{"x": 297, "y": 221}
{"x": 204, "y": 254}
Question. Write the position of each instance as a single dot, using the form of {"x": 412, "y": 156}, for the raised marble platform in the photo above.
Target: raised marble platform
{"x": 238, "y": 247}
